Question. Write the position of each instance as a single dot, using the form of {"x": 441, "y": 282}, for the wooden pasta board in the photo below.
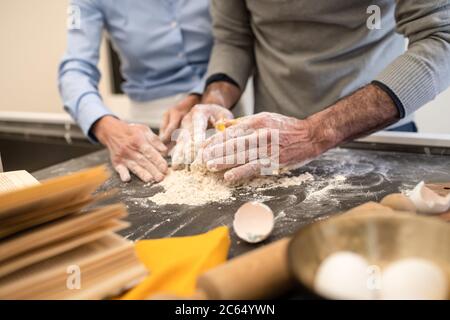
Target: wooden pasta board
{"x": 109, "y": 258}
{"x": 61, "y": 191}
{"x": 46, "y": 228}
{"x": 58, "y": 230}
{"x": 34, "y": 256}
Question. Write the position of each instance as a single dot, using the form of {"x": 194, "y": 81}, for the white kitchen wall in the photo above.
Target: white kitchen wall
{"x": 435, "y": 116}
{"x": 33, "y": 39}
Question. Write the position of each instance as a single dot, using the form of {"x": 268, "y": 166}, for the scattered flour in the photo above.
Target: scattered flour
{"x": 271, "y": 182}
{"x": 198, "y": 188}
{"x": 323, "y": 192}
{"x": 192, "y": 188}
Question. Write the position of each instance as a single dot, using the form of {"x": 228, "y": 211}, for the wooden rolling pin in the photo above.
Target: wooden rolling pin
{"x": 260, "y": 274}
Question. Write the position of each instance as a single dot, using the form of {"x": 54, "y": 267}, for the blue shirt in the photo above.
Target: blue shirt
{"x": 163, "y": 45}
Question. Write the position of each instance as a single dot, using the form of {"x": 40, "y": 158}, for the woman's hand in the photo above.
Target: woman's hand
{"x": 193, "y": 131}
{"x": 172, "y": 118}
{"x": 132, "y": 147}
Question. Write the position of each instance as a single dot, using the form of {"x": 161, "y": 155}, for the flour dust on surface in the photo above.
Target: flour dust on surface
{"x": 196, "y": 188}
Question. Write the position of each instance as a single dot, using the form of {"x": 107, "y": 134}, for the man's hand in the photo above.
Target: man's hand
{"x": 263, "y": 141}
{"x": 132, "y": 147}
{"x": 257, "y": 142}
{"x": 193, "y": 131}
{"x": 172, "y": 118}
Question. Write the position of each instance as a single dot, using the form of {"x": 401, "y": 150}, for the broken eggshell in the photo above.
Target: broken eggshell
{"x": 427, "y": 201}
{"x": 253, "y": 222}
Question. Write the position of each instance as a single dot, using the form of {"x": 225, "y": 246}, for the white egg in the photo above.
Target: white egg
{"x": 414, "y": 278}
{"x": 253, "y": 222}
{"x": 344, "y": 275}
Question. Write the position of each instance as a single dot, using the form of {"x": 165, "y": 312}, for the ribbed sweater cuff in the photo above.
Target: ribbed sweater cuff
{"x": 411, "y": 81}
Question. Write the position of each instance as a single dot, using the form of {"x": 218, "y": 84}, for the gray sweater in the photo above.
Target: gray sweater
{"x": 306, "y": 54}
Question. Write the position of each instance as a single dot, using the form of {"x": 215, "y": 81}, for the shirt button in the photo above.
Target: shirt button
{"x": 174, "y": 24}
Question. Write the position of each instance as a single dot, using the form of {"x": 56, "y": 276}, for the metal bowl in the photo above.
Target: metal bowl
{"x": 379, "y": 237}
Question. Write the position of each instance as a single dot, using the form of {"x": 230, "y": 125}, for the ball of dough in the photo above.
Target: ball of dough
{"x": 343, "y": 275}
{"x": 414, "y": 278}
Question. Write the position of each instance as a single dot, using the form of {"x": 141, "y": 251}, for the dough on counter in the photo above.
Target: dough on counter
{"x": 199, "y": 187}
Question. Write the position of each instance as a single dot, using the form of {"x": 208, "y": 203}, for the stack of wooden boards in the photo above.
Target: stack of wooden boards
{"x": 55, "y": 245}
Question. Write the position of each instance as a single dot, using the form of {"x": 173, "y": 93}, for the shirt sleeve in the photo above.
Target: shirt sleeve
{"x": 232, "y": 53}
{"x": 78, "y": 75}
{"x": 200, "y": 87}
{"x": 423, "y": 71}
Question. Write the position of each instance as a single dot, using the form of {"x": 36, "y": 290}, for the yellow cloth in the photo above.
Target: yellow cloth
{"x": 175, "y": 263}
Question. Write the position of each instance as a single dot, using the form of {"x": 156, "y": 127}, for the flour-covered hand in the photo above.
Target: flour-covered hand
{"x": 193, "y": 132}
{"x": 260, "y": 144}
{"x": 132, "y": 147}
{"x": 172, "y": 117}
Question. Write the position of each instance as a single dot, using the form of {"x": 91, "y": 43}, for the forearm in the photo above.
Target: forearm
{"x": 365, "y": 111}
{"x": 221, "y": 93}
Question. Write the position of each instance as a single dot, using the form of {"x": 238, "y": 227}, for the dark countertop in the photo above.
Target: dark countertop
{"x": 370, "y": 175}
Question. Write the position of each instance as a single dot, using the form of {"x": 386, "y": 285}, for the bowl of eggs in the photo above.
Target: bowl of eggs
{"x": 373, "y": 255}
